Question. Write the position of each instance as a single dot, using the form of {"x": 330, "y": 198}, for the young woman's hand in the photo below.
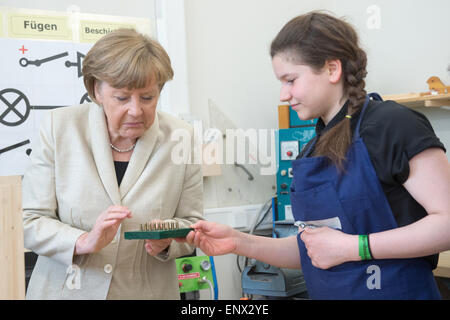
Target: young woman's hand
{"x": 329, "y": 247}
{"x": 213, "y": 239}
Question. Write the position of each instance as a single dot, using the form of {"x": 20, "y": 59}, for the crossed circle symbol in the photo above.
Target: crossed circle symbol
{"x": 12, "y": 107}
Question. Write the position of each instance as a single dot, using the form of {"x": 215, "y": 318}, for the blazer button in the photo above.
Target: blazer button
{"x": 108, "y": 268}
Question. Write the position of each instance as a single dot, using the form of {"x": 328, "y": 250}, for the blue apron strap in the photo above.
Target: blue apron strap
{"x": 310, "y": 147}
{"x": 375, "y": 96}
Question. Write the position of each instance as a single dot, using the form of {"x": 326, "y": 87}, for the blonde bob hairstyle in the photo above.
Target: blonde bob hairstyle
{"x": 126, "y": 58}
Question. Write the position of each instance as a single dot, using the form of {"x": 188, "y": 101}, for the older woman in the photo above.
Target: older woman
{"x": 103, "y": 168}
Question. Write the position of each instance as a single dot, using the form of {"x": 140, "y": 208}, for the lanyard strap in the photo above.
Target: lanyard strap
{"x": 376, "y": 97}
{"x": 366, "y": 103}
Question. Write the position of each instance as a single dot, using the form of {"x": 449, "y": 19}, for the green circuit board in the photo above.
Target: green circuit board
{"x": 157, "y": 234}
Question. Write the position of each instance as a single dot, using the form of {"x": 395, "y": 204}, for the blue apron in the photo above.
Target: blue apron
{"x": 357, "y": 201}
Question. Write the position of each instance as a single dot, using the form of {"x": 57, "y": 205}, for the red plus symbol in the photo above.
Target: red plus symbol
{"x": 23, "y": 49}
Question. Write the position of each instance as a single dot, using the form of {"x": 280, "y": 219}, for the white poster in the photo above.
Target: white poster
{"x": 40, "y": 67}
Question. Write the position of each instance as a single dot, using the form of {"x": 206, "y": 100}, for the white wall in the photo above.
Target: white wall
{"x": 128, "y": 8}
{"x": 228, "y": 57}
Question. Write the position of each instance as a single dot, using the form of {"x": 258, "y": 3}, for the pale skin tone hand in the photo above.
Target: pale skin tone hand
{"x": 213, "y": 239}
{"x": 155, "y": 247}
{"x": 103, "y": 232}
{"x": 105, "y": 229}
{"x": 328, "y": 247}
{"x": 218, "y": 239}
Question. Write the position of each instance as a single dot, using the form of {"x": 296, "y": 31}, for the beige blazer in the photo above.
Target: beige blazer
{"x": 71, "y": 180}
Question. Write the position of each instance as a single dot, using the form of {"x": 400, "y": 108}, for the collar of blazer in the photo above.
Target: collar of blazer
{"x": 101, "y": 151}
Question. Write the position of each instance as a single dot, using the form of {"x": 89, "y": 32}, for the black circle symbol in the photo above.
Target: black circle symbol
{"x": 12, "y": 107}
{"x": 23, "y": 62}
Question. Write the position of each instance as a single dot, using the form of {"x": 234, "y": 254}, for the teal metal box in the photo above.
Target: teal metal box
{"x": 290, "y": 142}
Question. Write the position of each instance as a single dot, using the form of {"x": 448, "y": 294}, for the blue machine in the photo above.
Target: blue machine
{"x": 290, "y": 142}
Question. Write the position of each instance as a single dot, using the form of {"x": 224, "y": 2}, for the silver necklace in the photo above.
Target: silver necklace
{"x": 122, "y": 151}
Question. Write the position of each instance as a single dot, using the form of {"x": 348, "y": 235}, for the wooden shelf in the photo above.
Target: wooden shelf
{"x": 414, "y": 100}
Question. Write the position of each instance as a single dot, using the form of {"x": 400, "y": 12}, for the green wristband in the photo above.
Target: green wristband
{"x": 364, "y": 251}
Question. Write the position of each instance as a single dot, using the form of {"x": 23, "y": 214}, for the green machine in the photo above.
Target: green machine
{"x": 196, "y": 273}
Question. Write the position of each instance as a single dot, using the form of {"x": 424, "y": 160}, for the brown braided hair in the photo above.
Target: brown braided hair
{"x": 313, "y": 39}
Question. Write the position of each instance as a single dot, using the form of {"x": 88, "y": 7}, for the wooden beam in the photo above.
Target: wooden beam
{"x": 283, "y": 117}
{"x": 12, "y": 260}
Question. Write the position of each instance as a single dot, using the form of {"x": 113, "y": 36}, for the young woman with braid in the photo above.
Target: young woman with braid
{"x": 371, "y": 190}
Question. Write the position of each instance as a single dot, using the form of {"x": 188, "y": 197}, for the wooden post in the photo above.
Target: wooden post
{"x": 283, "y": 117}
{"x": 12, "y": 261}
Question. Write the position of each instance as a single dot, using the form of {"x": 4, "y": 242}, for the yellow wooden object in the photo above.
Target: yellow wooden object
{"x": 12, "y": 261}
{"x": 283, "y": 117}
{"x": 435, "y": 84}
